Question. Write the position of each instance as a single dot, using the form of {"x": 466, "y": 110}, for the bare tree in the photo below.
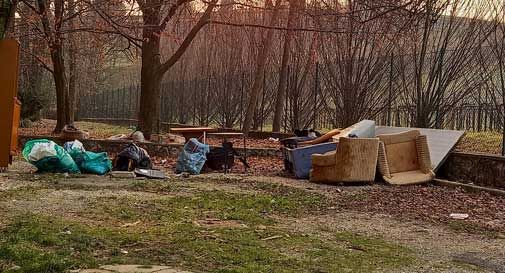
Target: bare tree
{"x": 492, "y": 64}
{"x": 443, "y": 55}
{"x": 260, "y": 68}
{"x": 52, "y": 20}
{"x": 357, "y": 66}
{"x": 294, "y": 8}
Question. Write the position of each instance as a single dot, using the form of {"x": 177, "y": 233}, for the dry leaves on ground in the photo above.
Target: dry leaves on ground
{"x": 432, "y": 203}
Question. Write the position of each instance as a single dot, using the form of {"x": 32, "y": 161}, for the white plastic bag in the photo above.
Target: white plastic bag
{"x": 74, "y": 145}
{"x": 42, "y": 150}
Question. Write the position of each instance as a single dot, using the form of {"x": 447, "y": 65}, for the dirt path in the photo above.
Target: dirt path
{"x": 437, "y": 247}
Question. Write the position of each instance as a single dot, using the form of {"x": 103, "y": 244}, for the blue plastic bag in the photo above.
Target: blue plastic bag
{"x": 47, "y": 156}
{"x": 192, "y": 158}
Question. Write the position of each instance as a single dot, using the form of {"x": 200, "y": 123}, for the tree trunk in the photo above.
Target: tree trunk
{"x": 55, "y": 45}
{"x": 60, "y": 83}
{"x": 72, "y": 67}
{"x": 152, "y": 69}
{"x": 259, "y": 72}
{"x": 150, "y": 81}
{"x": 283, "y": 74}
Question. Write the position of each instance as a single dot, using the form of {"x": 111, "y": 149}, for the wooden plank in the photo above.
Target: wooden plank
{"x": 9, "y": 65}
{"x": 441, "y": 142}
{"x": 192, "y": 130}
{"x": 226, "y": 134}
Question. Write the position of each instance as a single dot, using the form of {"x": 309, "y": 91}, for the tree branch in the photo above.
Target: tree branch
{"x": 204, "y": 19}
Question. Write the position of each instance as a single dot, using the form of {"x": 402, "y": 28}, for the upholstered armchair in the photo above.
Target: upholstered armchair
{"x": 404, "y": 158}
{"x": 355, "y": 160}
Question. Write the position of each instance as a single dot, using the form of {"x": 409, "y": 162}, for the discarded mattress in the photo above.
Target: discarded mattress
{"x": 299, "y": 160}
{"x": 440, "y": 142}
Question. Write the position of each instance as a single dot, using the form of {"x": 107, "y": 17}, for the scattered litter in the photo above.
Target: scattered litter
{"x": 75, "y": 145}
{"x": 212, "y": 222}
{"x": 273, "y": 139}
{"x": 124, "y": 251}
{"x": 122, "y": 174}
{"x": 183, "y": 175}
{"x": 131, "y": 224}
{"x": 137, "y": 136}
{"x": 459, "y": 216}
{"x": 272, "y": 238}
{"x": 66, "y": 232}
{"x": 154, "y": 174}
{"x": 356, "y": 247}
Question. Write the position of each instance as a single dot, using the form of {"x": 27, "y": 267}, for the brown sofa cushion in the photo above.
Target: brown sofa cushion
{"x": 410, "y": 178}
{"x": 355, "y": 161}
{"x": 326, "y": 159}
{"x": 401, "y": 151}
{"x": 405, "y": 159}
{"x": 402, "y": 157}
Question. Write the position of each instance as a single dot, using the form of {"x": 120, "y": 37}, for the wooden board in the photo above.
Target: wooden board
{"x": 192, "y": 130}
{"x": 9, "y": 65}
{"x": 226, "y": 134}
{"x": 440, "y": 142}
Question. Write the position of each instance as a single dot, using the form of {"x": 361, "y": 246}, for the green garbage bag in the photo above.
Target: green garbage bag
{"x": 94, "y": 163}
{"x": 88, "y": 162}
{"x": 48, "y": 156}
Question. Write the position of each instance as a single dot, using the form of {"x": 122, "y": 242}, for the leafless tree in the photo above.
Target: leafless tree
{"x": 492, "y": 65}
{"x": 442, "y": 56}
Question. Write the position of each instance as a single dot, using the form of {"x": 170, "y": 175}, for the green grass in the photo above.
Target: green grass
{"x": 251, "y": 209}
{"x": 171, "y": 230}
{"x": 102, "y": 130}
{"x": 44, "y": 244}
{"x": 473, "y": 228}
{"x": 481, "y": 142}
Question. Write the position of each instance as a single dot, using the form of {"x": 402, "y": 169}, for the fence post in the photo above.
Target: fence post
{"x": 390, "y": 91}
{"x": 316, "y": 89}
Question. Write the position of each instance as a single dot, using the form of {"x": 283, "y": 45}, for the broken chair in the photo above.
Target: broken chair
{"x": 404, "y": 158}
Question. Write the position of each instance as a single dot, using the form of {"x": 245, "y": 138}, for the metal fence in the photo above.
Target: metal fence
{"x": 123, "y": 104}
{"x": 209, "y": 102}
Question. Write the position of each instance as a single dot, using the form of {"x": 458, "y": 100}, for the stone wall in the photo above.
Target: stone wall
{"x": 154, "y": 149}
{"x": 165, "y": 127}
{"x": 480, "y": 169}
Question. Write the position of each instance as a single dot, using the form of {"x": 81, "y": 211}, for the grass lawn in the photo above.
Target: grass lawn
{"x": 481, "y": 142}
{"x": 96, "y": 130}
{"x": 196, "y": 225}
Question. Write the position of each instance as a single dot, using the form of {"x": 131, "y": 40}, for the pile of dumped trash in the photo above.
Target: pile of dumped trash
{"x": 132, "y": 161}
{"x": 49, "y": 157}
